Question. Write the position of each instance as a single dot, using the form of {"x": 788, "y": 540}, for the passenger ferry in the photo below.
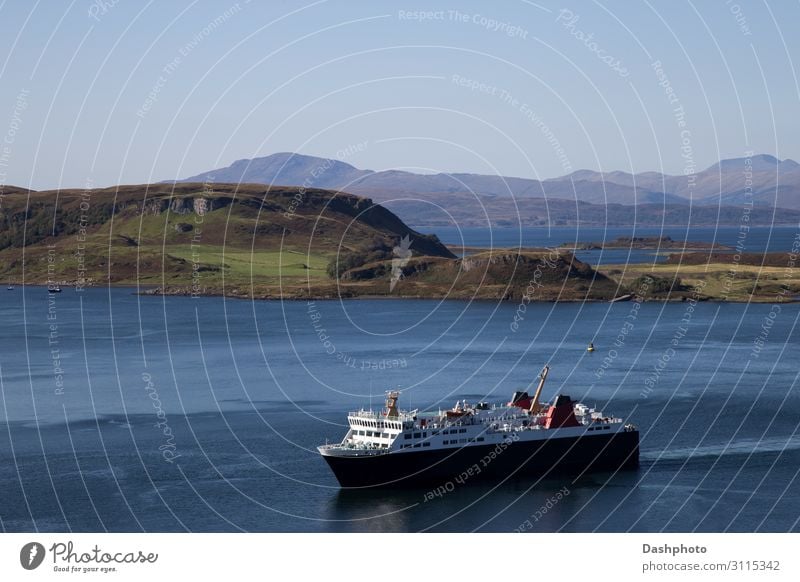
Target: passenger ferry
{"x": 397, "y": 448}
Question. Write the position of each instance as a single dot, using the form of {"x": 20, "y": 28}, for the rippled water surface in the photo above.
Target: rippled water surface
{"x": 124, "y": 413}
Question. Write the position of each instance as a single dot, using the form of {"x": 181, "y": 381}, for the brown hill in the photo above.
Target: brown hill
{"x": 164, "y": 234}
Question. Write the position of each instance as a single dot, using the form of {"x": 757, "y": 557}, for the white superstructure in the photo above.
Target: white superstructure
{"x": 523, "y": 419}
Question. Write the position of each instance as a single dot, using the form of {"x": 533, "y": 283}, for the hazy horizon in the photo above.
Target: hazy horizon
{"x": 420, "y": 171}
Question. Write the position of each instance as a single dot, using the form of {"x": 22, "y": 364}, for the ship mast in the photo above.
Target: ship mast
{"x": 391, "y": 404}
{"x": 535, "y": 408}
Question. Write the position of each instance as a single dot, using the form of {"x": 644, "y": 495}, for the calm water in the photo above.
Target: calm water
{"x": 247, "y": 390}
{"x": 757, "y": 239}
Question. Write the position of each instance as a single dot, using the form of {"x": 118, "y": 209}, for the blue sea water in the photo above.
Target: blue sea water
{"x": 751, "y": 239}
{"x": 128, "y": 413}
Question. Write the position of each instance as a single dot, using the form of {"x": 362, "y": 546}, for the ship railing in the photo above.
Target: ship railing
{"x": 606, "y": 420}
{"x": 355, "y": 446}
{"x": 356, "y": 452}
{"x": 372, "y": 415}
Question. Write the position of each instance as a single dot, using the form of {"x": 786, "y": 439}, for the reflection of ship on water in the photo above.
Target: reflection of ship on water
{"x": 376, "y": 510}
{"x": 499, "y": 506}
{"x": 522, "y": 438}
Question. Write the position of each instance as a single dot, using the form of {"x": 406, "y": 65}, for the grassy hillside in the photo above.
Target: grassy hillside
{"x": 263, "y": 242}
{"x": 269, "y": 242}
{"x": 502, "y": 274}
{"x": 745, "y": 277}
{"x": 192, "y": 236}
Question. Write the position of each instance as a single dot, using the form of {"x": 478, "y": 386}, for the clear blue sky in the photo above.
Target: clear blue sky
{"x": 131, "y": 92}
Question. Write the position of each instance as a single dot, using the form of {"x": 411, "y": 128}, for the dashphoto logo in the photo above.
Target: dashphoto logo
{"x": 31, "y": 555}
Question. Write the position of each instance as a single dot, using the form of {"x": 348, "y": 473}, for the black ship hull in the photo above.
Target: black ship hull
{"x": 555, "y": 455}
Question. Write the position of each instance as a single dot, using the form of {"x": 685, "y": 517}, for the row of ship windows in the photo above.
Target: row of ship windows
{"x": 599, "y": 428}
{"x": 407, "y": 436}
{"x": 451, "y": 442}
{"x": 424, "y": 435}
{"x": 370, "y": 433}
{"x": 374, "y": 424}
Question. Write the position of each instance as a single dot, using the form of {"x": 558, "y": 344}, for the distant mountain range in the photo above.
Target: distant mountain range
{"x": 584, "y": 196}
